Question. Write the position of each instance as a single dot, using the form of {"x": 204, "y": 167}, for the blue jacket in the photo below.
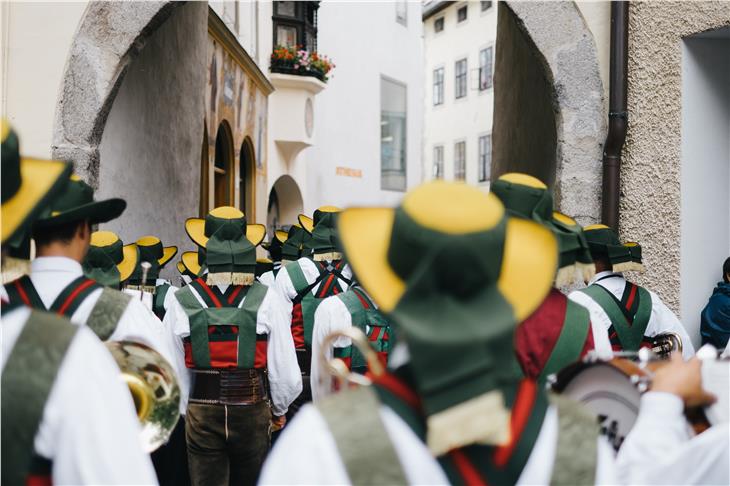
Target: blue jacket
{"x": 715, "y": 325}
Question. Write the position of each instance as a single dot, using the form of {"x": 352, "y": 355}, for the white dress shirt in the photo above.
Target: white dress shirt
{"x": 267, "y": 278}
{"x": 51, "y": 275}
{"x": 661, "y": 319}
{"x": 661, "y": 448}
{"x": 331, "y": 316}
{"x": 148, "y": 298}
{"x": 311, "y": 274}
{"x": 89, "y": 428}
{"x": 306, "y": 453}
{"x": 285, "y": 379}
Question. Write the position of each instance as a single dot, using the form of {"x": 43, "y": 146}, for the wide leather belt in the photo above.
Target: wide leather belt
{"x": 304, "y": 358}
{"x": 228, "y": 387}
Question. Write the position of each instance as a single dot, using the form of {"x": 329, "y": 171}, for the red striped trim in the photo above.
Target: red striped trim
{"x": 363, "y": 300}
{"x": 467, "y": 471}
{"x": 324, "y": 288}
{"x": 632, "y": 295}
{"x": 38, "y": 480}
{"x": 22, "y": 293}
{"x": 521, "y": 411}
{"x": 233, "y": 295}
{"x": 399, "y": 389}
{"x": 69, "y": 300}
{"x": 210, "y": 293}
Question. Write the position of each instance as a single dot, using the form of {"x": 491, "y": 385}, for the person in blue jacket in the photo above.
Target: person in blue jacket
{"x": 715, "y": 326}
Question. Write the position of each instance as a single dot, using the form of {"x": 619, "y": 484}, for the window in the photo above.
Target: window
{"x": 222, "y": 167}
{"x": 438, "y": 24}
{"x": 460, "y": 161}
{"x": 438, "y": 162}
{"x": 460, "y": 78}
{"x": 486, "y": 5}
{"x": 438, "y": 86}
{"x": 247, "y": 162}
{"x": 485, "y": 157}
{"x": 392, "y": 135}
{"x": 295, "y": 23}
{"x": 204, "y": 176}
{"x": 461, "y": 14}
{"x": 485, "y": 69}
{"x": 401, "y": 12}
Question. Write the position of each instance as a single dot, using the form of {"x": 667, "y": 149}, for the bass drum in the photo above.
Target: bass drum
{"x": 608, "y": 389}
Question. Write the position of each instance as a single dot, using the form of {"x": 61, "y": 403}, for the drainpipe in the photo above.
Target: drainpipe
{"x": 617, "y": 115}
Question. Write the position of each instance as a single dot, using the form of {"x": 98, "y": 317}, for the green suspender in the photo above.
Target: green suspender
{"x": 569, "y": 345}
{"x": 366, "y": 449}
{"x": 309, "y": 302}
{"x": 75, "y": 293}
{"x": 629, "y": 334}
{"x": 27, "y": 380}
{"x": 22, "y": 291}
{"x": 244, "y": 319}
{"x": 107, "y": 311}
{"x": 577, "y": 448}
{"x": 158, "y": 300}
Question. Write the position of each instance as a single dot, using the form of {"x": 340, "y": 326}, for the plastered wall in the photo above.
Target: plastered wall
{"x": 650, "y": 174}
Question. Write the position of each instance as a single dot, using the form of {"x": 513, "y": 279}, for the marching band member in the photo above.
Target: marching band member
{"x": 338, "y": 313}
{"x": 233, "y": 336}
{"x": 157, "y": 291}
{"x": 274, "y": 248}
{"x": 191, "y": 265}
{"x": 629, "y": 314}
{"x": 560, "y": 331}
{"x": 57, "y": 282}
{"x": 63, "y": 421}
{"x": 304, "y": 283}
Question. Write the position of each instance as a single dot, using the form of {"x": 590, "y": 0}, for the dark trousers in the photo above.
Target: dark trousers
{"x": 171, "y": 460}
{"x": 227, "y": 444}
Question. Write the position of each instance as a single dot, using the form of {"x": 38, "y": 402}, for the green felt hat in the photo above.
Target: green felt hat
{"x": 604, "y": 243}
{"x": 456, "y": 275}
{"x": 109, "y": 261}
{"x": 192, "y": 263}
{"x": 29, "y": 186}
{"x": 153, "y": 252}
{"x": 274, "y": 246}
{"x": 230, "y": 245}
{"x": 76, "y": 203}
{"x": 296, "y": 244}
{"x": 324, "y": 241}
{"x": 525, "y": 196}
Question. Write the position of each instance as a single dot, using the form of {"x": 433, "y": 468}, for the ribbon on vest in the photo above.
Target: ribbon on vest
{"x": 101, "y": 263}
{"x": 230, "y": 256}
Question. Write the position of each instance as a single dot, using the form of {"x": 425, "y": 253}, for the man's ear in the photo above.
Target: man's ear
{"x": 83, "y": 231}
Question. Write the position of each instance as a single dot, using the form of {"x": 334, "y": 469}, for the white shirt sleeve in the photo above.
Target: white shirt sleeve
{"x": 267, "y": 278}
{"x": 306, "y": 453}
{"x": 89, "y": 428}
{"x": 176, "y": 327}
{"x": 330, "y": 316}
{"x": 664, "y": 320}
{"x": 600, "y": 323}
{"x": 285, "y": 377}
{"x": 660, "y": 448}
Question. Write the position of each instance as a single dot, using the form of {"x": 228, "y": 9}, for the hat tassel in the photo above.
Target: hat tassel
{"x": 230, "y": 278}
{"x": 329, "y": 256}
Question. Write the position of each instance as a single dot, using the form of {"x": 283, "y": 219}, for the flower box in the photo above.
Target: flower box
{"x": 296, "y": 61}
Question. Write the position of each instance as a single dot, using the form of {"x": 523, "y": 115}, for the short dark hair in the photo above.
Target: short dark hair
{"x": 64, "y": 233}
{"x": 726, "y": 270}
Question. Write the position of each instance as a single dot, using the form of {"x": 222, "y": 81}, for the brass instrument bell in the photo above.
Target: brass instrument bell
{"x": 154, "y": 388}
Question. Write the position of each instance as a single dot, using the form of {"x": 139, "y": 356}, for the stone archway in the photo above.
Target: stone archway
{"x": 110, "y": 36}
{"x": 570, "y": 67}
{"x": 285, "y": 202}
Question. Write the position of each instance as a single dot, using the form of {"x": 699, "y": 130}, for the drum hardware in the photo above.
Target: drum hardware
{"x": 154, "y": 388}
{"x": 337, "y": 368}
{"x": 666, "y": 343}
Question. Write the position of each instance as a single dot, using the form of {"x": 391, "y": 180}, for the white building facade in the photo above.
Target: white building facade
{"x": 459, "y": 47}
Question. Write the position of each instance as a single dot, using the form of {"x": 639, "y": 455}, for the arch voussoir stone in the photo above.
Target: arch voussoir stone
{"x": 570, "y": 59}
{"x": 109, "y": 37}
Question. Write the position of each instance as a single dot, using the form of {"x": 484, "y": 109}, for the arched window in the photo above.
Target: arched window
{"x": 204, "y": 177}
{"x": 223, "y": 164}
{"x": 246, "y": 182}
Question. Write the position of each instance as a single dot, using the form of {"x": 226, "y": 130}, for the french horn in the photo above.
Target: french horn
{"x": 154, "y": 388}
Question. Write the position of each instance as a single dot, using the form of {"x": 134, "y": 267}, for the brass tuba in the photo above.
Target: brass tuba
{"x": 154, "y": 388}
{"x": 664, "y": 344}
